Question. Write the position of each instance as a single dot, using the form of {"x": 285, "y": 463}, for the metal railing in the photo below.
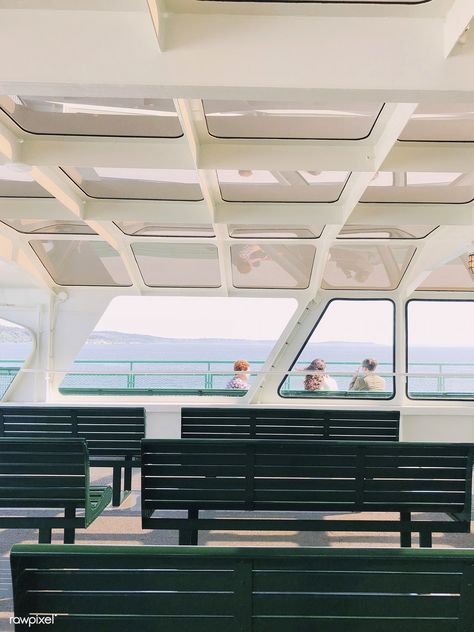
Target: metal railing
{"x": 209, "y": 376}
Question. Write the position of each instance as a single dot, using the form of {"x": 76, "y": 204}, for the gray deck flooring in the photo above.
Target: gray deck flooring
{"x": 122, "y": 525}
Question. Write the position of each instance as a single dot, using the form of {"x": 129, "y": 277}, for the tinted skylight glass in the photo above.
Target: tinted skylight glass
{"x": 81, "y": 262}
{"x": 139, "y": 184}
{"x": 272, "y": 266}
{"x": 361, "y": 231}
{"x": 178, "y": 265}
{"x": 94, "y": 116}
{"x": 447, "y": 122}
{"x": 275, "y": 119}
{"x": 152, "y": 229}
{"x": 281, "y": 232}
{"x": 64, "y": 226}
{"x": 453, "y": 275}
{"x": 15, "y": 181}
{"x": 368, "y": 267}
{"x": 421, "y": 187}
{"x": 281, "y": 186}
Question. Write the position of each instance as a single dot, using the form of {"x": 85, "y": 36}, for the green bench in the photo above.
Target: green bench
{"x": 113, "y": 434}
{"x": 289, "y": 423}
{"x": 37, "y": 475}
{"x": 222, "y": 589}
{"x": 256, "y": 475}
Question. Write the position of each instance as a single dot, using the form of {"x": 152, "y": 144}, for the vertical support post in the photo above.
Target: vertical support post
{"x": 405, "y": 536}
{"x": 69, "y": 532}
{"x": 116, "y": 484}
{"x": 187, "y": 535}
{"x": 44, "y": 536}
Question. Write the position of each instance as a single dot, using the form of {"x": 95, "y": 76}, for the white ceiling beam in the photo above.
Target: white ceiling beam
{"x": 166, "y": 212}
{"x": 430, "y": 156}
{"x": 276, "y": 214}
{"x": 456, "y": 24}
{"x": 141, "y": 153}
{"x": 442, "y": 246}
{"x": 10, "y": 144}
{"x": 286, "y": 155}
{"x": 15, "y": 248}
{"x": 233, "y": 56}
{"x": 33, "y": 208}
{"x": 412, "y": 214}
{"x": 58, "y": 184}
{"x": 158, "y": 16}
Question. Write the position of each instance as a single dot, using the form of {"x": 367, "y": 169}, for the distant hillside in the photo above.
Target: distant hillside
{"x": 14, "y": 334}
{"x": 119, "y": 337}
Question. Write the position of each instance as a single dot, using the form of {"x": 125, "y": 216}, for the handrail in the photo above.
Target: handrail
{"x": 211, "y": 374}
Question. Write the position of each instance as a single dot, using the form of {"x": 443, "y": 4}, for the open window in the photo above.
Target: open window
{"x": 349, "y": 354}
{"x": 178, "y": 346}
{"x": 440, "y": 349}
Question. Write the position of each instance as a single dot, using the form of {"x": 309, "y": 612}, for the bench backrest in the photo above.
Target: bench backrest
{"x": 289, "y": 423}
{"x": 108, "y": 431}
{"x": 245, "y": 589}
{"x": 256, "y": 474}
{"x": 43, "y": 473}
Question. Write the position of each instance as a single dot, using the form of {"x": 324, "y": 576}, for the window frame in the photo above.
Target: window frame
{"x": 346, "y": 397}
{"x": 407, "y": 392}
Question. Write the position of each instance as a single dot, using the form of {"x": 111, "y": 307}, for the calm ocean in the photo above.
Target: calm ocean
{"x": 193, "y": 356}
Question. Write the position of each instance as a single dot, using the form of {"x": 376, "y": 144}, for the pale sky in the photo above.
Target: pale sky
{"x": 433, "y": 323}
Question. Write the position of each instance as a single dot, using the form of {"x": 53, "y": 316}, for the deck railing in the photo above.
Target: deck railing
{"x": 211, "y": 377}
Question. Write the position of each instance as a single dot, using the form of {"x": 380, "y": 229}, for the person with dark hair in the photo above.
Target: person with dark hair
{"x": 319, "y": 380}
{"x": 366, "y": 379}
{"x": 240, "y": 379}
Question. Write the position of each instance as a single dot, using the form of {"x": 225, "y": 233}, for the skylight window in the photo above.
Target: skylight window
{"x": 451, "y": 276}
{"x": 366, "y": 267}
{"x": 140, "y": 184}
{"x": 360, "y": 231}
{"x": 282, "y": 186}
{"x": 178, "y": 265}
{"x": 77, "y": 116}
{"x": 151, "y": 229}
{"x": 265, "y": 265}
{"x": 16, "y": 181}
{"x": 449, "y": 122}
{"x": 292, "y": 120}
{"x": 280, "y": 232}
{"x": 81, "y": 262}
{"x": 65, "y": 226}
{"x": 421, "y": 187}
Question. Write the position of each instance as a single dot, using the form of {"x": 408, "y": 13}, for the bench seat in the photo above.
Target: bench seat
{"x": 216, "y": 589}
{"x": 289, "y": 423}
{"x": 113, "y": 434}
{"x": 258, "y": 476}
{"x": 37, "y": 475}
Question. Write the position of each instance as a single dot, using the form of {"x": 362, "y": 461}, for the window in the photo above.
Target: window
{"x": 81, "y": 262}
{"x": 16, "y": 345}
{"x": 94, "y": 116}
{"x": 178, "y": 346}
{"x": 440, "y": 349}
{"x": 290, "y": 120}
{"x": 348, "y": 332}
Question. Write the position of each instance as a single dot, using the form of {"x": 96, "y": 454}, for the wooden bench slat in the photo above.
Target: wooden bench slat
{"x": 174, "y": 589}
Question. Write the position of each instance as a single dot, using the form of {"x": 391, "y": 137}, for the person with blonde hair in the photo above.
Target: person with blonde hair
{"x": 366, "y": 379}
{"x": 240, "y": 379}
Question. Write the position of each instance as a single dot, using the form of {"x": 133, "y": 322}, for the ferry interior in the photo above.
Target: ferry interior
{"x": 189, "y": 184}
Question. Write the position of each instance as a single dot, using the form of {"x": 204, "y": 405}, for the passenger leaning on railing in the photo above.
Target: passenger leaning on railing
{"x": 240, "y": 379}
{"x": 365, "y": 378}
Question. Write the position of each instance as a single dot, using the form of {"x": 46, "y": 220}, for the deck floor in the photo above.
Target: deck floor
{"x": 122, "y": 525}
